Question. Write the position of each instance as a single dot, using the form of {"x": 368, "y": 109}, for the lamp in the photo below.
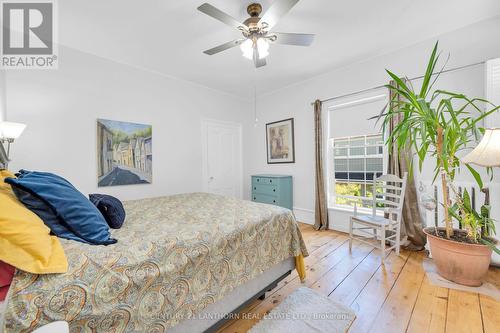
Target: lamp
{"x": 10, "y": 131}
{"x": 487, "y": 152}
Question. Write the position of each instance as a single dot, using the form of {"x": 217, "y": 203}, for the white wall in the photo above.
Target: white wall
{"x": 61, "y": 106}
{"x": 469, "y": 45}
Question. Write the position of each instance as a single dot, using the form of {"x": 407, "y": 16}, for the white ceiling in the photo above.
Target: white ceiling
{"x": 169, "y": 36}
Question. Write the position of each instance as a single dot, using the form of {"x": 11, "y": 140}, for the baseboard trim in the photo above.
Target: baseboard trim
{"x": 304, "y": 215}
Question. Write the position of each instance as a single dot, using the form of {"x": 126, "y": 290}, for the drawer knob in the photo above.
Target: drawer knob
{"x": 254, "y": 198}
{"x": 270, "y": 180}
{"x": 274, "y": 201}
{"x": 258, "y": 179}
{"x": 255, "y": 188}
{"x": 274, "y": 190}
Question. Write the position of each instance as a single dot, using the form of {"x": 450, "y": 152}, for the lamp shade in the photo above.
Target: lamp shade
{"x": 10, "y": 130}
{"x": 487, "y": 152}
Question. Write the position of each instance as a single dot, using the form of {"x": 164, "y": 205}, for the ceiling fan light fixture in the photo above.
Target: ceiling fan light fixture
{"x": 263, "y": 47}
{"x": 257, "y": 30}
{"x": 247, "y": 48}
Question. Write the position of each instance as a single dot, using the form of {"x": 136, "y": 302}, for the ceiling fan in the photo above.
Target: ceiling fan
{"x": 256, "y": 30}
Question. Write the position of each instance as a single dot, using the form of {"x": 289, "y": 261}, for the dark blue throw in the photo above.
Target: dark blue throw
{"x": 111, "y": 208}
{"x": 56, "y": 225}
{"x": 66, "y": 211}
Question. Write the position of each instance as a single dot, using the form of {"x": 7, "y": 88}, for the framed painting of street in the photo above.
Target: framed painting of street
{"x": 124, "y": 153}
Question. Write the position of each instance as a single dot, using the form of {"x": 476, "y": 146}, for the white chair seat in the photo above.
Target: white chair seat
{"x": 372, "y": 220}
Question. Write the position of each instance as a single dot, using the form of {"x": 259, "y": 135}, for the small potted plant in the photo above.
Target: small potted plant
{"x": 438, "y": 124}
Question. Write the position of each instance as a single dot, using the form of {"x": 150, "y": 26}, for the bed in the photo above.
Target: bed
{"x": 181, "y": 262}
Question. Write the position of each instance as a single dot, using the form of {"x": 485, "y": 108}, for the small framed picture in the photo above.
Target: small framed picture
{"x": 280, "y": 142}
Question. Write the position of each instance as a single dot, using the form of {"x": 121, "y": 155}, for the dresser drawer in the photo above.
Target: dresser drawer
{"x": 263, "y": 198}
{"x": 263, "y": 180}
{"x": 272, "y": 189}
{"x": 265, "y": 189}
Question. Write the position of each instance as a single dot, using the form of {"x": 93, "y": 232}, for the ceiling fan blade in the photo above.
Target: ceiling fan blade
{"x": 221, "y": 16}
{"x": 224, "y": 46}
{"x": 258, "y": 62}
{"x": 292, "y": 39}
{"x": 276, "y": 11}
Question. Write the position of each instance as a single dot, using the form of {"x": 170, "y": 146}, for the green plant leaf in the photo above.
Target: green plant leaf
{"x": 476, "y": 176}
{"x": 453, "y": 212}
{"x": 492, "y": 227}
{"x": 466, "y": 201}
{"x": 490, "y": 245}
{"x": 430, "y": 70}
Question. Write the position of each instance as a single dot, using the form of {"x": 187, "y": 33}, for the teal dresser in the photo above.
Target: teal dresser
{"x": 273, "y": 189}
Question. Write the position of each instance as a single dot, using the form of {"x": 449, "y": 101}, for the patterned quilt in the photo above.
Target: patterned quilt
{"x": 175, "y": 255}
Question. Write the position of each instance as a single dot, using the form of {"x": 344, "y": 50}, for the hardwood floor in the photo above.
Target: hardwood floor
{"x": 395, "y": 297}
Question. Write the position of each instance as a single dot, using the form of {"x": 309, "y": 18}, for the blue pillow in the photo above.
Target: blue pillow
{"x": 79, "y": 215}
{"x": 111, "y": 208}
{"x": 46, "y": 214}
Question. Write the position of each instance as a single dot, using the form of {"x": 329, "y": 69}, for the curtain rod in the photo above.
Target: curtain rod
{"x": 415, "y": 78}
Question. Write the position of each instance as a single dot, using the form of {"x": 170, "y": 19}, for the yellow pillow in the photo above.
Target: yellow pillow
{"x": 25, "y": 241}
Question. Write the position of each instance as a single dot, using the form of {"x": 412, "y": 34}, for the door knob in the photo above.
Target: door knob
{"x": 211, "y": 178}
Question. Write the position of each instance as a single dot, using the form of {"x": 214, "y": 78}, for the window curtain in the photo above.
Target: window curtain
{"x": 320, "y": 206}
{"x": 412, "y": 236}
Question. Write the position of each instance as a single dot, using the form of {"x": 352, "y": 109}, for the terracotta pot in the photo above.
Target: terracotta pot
{"x": 462, "y": 263}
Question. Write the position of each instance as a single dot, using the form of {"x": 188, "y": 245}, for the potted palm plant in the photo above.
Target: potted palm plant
{"x": 438, "y": 124}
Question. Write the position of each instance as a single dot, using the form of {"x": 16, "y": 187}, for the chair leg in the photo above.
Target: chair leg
{"x": 398, "y": 238}
{"x": 382, "y": 242}
{"x": 350, "y": 234}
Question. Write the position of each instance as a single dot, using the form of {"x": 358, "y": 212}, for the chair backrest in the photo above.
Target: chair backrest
{"x": 389, "y": 190}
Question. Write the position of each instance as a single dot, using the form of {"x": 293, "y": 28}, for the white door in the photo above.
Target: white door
{"x": 222, "y": 158}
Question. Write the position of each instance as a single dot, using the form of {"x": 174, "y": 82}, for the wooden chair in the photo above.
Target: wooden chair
{"x": 389, "y": 192}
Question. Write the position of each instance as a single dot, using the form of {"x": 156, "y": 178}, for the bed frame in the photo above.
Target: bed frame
{"x": 217, "y": 314}
{"x": 260, "y": 295}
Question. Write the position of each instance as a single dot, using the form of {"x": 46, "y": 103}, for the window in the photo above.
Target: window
{"x": 356, "y": 161}
{"x": 355, "y": 149}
